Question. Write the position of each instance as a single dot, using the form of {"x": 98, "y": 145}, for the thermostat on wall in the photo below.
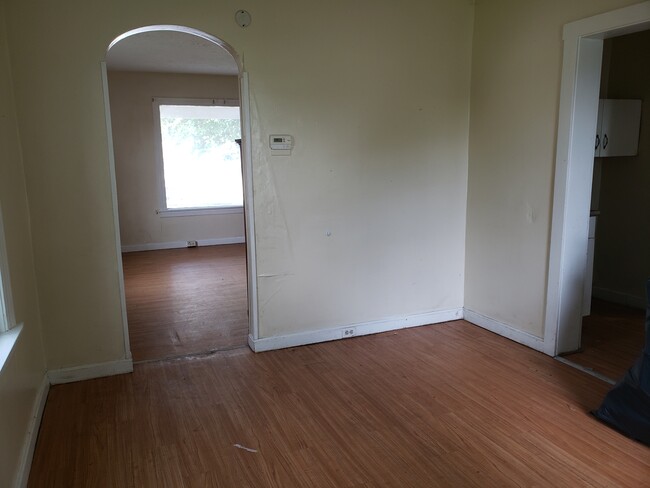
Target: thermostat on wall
{"x": 280, "y": 142}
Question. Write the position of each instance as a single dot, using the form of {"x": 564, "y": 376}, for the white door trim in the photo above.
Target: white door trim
{"x": 116, "y": 216}
{"x": 574, "y": 167}
{"x": 249, "y": 213}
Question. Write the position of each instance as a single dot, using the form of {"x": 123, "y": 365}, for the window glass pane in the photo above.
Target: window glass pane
{"x": 5, "y": 296}
{"x": 3, "y": 312}
{"x": 201, "y": 160}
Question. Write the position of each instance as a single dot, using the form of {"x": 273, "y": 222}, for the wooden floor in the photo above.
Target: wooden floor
{"x": 449, "y": 405}
{"x": 184, "y": 301}
{"x": 613, "y": 337}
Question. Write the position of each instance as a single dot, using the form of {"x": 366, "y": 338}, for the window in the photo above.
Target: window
{"x": 199, "y": 157}
{"x": 4, "y": 322}
{"x": 9, "y": 332}
{"x": 7, "y": 320}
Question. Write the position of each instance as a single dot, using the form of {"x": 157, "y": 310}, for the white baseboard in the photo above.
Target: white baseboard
{"x": 155, "y": 246}
{"x": 27, "y": 454}
{"x": 506, "y": 331}
{"x": 618, "y": 297}
{"x": 88, "y": 372}
{"x": 365, "y": 328}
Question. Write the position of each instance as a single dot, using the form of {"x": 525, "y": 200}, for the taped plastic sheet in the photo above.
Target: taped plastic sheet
{"x": 627, "y": 406}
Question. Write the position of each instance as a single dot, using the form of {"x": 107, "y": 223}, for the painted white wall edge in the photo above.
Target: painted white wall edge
{"x": 88, "y": 372}
{"x": 618, "y": 297}
{"x": 506, "y": 331}
{"x": 364, "y": 328}
{"x": 27, "y": 453}
{"x": 154, "y": 246}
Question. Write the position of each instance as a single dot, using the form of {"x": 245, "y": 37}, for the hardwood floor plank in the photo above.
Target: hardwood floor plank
{"x": 612, "y": 338}
{"x": 186, "y": 301}
{"x": 438, "y": 406}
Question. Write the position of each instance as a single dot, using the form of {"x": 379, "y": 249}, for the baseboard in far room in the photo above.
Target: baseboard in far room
{"x": 156, "y": 246}
{"x": 618, "y": 298}
{"x": 27, "y": 453}
{"x": 90, "y": 371}
{"x": 506, "y": 331}
{"x": 353, "y": 330}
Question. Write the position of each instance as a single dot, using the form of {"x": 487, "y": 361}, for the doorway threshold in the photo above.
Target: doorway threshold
{"x": 194, "y": 355}
{"x": 584, "y": 369}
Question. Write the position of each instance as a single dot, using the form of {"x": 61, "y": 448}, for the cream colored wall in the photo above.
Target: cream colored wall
{"x": 376, "y": 96}
{"x": 377, "y": 99}
{"x": 24, "y": 371}
{"x": 622, "y": 259}
{"x": 516, "y": 69}
{"x": 136, "y": 167}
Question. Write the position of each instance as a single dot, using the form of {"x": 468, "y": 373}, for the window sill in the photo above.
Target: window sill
{"x": 7, "y": 342}
{"x": 187, "y": 212}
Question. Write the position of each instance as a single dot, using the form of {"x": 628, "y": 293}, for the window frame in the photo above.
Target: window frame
{"x": 7, "y": 316}
{"x": 162, "y": 209}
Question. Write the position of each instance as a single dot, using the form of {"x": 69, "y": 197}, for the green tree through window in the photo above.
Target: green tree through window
{"x": 201, "y": 160}
{"x": 205, "y": 133}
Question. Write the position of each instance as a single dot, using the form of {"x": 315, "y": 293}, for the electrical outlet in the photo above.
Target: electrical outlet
{"x": 192, "y": 243}
{"x": 348, "y": 332}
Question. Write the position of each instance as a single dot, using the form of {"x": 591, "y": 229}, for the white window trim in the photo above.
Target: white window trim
{"x": 162, "y": 210}
{"x": 7, "y": 341}
{"x": 183, "y": 212}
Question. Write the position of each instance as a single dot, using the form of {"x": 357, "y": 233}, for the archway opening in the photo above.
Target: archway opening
{"x": 177, "y": 107}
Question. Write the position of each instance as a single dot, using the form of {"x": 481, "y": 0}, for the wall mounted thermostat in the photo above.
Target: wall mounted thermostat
{"x": 281, "y": 142}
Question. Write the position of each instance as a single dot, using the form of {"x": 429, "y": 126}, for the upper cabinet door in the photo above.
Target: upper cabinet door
{"x": 618, "y": 128}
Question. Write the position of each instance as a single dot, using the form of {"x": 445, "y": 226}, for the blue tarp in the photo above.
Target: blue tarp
{"x": 627, "y": 406}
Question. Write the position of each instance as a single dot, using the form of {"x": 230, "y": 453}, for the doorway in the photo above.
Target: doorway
{"x": 583, "y": 48}
{"x": 614, "y": 303}
{"x": 187, "y": 268}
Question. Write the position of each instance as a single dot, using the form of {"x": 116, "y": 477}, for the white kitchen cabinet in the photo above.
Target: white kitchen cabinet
{"x": 617, "y": 132}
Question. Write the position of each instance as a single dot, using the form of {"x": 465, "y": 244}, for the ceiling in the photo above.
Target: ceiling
{"x": 168, "y": 51}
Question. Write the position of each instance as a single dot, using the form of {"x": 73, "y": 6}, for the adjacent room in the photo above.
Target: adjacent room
{"x": 614, "y": 302}
{"x": 175, "y": 119}
{"x": 316, "y": 244}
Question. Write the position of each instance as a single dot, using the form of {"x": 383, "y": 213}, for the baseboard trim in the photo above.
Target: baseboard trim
{"x": 359, "y": 329}
{"x": 29, "y": 445}
{"x": 88, "y": 372}
{"x": 618, "y": 297}
{"x": 505, "y": 330}
{"x": 156, "y": 246}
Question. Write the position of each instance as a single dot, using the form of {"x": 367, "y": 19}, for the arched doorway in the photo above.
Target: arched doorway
{"x": 185, "y": 53}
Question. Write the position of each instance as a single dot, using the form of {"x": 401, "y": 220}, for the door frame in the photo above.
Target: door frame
{"x": 578, "y": 112}
{"x": 247, "y": 177}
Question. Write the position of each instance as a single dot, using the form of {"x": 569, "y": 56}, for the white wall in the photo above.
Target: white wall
{"x": 23, "y": 374}
{"x": 516, "y": 70}
{"x": 376, "y": 96}
{"x": 622, "y": 261}
{"x": 136, "y": 167}
{"x": 379, "y": 161}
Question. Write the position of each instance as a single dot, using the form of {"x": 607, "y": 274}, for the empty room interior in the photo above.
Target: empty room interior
{"x": 321, "y": 244}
